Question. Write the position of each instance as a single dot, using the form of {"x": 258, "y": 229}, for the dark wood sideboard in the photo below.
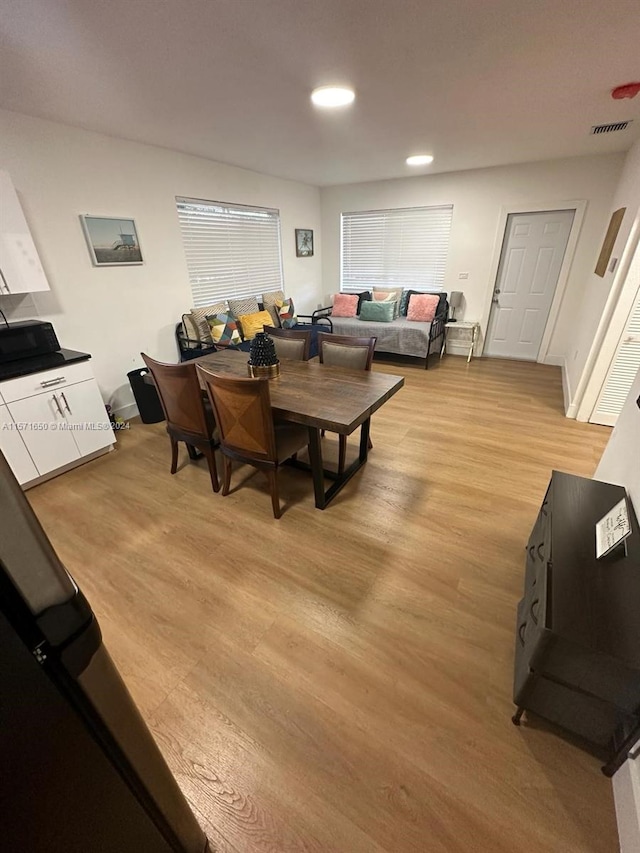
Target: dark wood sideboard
{"x": 577, "y": 659}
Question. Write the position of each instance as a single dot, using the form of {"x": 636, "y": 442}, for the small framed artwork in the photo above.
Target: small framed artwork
{"x": 609, "y": 241}
{"x": 112, "y": 241}
{"x": 304, "y": 243}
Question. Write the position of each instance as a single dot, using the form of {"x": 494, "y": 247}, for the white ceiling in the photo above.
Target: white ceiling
{"x": 474, "y": 83}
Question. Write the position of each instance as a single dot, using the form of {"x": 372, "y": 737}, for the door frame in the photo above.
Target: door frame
{"x": 579, "y": 206}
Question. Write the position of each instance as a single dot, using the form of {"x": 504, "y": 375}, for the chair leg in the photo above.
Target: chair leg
{"x": 272, "y": 476}
{"x": 210, "y": 453}
{"x": 174, "y": 454}
{"x": 342, "y": 452}
{"x": 226, "y": 483}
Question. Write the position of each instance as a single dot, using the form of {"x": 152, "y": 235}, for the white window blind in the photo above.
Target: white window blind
{"x": 232, "y": 250}
{"x": 405, "y": 247}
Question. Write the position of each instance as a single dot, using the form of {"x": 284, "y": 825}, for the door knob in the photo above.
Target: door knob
{"x": 495, "y": 300}
{"x": 497, "y": 291}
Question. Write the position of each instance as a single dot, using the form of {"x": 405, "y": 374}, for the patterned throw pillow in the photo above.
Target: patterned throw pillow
{"x": 238, "y": 307}
{"x": 344, "y": 305}
{"x": 287, "y": 314}
{"x": 269, "y": 303}
{"x": 224, "y": 329}
{"x": 422, "y": 307}
{"x": 379, "y": 311}
{"x": 200, "y": 315}
{"x": 254, "y": 323}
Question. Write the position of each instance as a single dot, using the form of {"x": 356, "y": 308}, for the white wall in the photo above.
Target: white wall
{"x": 114, "y": 313}
{"x": 607, "y": 301}
{"x": 620, "y": 464}
{"x": 478, "y": 197}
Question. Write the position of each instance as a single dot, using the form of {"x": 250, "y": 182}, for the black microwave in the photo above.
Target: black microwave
{"x": 26, "y": 338}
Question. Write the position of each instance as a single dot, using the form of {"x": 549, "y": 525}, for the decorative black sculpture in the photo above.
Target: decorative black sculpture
{"x": 263, "y": 359}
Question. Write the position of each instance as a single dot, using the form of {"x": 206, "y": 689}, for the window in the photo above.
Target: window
{"x": 405, "y": 247}
{"x": 232, "y": 250}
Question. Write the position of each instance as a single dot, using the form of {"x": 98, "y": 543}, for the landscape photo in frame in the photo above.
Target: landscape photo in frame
{"x": 112, "y": 241}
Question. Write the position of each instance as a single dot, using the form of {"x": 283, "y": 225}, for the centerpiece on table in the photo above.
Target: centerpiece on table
{"x": 263, "y": 359}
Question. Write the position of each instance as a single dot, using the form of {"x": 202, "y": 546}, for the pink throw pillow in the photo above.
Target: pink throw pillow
{"x": 344, "y": 305}
{"x": 422, "y": 307}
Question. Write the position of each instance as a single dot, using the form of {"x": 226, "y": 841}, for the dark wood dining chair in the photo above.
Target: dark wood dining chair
{"x": 353, "y": 353}
{"x": 291, "y": 344}
{"x": 247, "y": 429}
{"x": 188, "y": 415}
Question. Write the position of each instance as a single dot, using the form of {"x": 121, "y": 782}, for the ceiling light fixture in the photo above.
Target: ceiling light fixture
{"x": 419, "y": 160}
{"x": 332, "y": 96}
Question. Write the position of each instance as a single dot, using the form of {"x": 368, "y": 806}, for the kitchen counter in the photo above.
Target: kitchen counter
{"x": 38, "y": 363}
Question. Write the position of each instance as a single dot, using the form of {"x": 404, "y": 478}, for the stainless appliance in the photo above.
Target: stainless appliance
{"x": 26, "y": 338}
{"x": 80, "y": 770}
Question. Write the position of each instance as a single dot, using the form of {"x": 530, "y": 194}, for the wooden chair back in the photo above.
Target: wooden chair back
{"x": 180, "y": 396}
{"x": 346, "y": 351}
{"x": 291, "y": 344}
{"x": 242, "y": 409}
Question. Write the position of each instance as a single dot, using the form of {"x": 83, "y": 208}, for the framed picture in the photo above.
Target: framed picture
{"x": 609, "y": 241}
{"x": 112, "y": 241}
{"x": 304, "y": 243}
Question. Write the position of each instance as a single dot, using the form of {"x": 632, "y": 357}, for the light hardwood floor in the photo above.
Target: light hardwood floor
{"x": 341, "y": 680}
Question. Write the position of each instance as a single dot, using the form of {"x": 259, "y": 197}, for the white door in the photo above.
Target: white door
{"x": 624, "y": 364}
{"x": 532, "y": 253}
{"x": 42, "y": 417}
{"x": 85, "y": 413}
{"x": 15, "y": 450}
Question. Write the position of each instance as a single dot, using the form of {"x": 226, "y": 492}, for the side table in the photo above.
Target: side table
{"x": 470, "y": 330}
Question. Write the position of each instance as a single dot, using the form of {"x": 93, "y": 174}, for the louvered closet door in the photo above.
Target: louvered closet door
{"x": 624, "y": 366}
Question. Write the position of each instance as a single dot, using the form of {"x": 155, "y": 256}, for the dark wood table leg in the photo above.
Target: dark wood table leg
{"x": 317, "y": 471}
{"x": 364, "y": 441}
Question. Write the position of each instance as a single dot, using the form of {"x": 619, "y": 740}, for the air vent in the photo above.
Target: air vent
{"x": 614, "y": 127}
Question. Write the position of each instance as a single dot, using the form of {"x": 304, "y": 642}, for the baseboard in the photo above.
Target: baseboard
{"x": 127, "y": 412}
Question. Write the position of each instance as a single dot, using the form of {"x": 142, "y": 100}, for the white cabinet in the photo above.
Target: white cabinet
{"x": 42, "y": 426}
{"x": 14, "y": 448}
{"x": 20, "y": 267}
{"x": 84, "y": 412}
{"x": 58, "y": 418}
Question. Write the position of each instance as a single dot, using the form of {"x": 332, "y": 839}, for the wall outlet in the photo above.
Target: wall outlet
{"x": 463, "y": 275}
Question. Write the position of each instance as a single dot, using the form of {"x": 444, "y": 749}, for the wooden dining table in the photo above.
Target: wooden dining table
{"x": 321, "y": 398}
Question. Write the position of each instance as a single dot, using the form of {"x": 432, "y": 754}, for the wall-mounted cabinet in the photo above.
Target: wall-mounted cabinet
{"x": 20, "y": 267}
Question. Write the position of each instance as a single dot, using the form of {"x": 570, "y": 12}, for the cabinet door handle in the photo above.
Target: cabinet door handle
{"x": 521, "y": 630}
{"x": 534, "y": 606}
{"x": 531, "y": 549}
{"x": 66, "y": 404}
{"x": 541, "y": 545}
{"x": 57, "y": 402}
{"x": 51, "y": 382}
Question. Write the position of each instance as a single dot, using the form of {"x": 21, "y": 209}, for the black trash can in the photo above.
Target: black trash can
{"x": 146, "y": 397}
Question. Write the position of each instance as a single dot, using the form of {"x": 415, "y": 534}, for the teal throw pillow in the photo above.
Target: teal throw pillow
{"x": 379, "y": 312}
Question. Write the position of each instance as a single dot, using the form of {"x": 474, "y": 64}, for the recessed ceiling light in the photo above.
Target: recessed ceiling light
{"x": 419, "y": 160}
{"x": 332, "y": 96}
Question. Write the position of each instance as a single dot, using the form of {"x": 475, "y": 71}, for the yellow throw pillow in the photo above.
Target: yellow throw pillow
{"x": 253, "y": 323}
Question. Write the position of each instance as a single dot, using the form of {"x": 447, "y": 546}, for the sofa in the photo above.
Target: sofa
{"x": 400, "y": 335}
{"x": 193, "y": 336}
